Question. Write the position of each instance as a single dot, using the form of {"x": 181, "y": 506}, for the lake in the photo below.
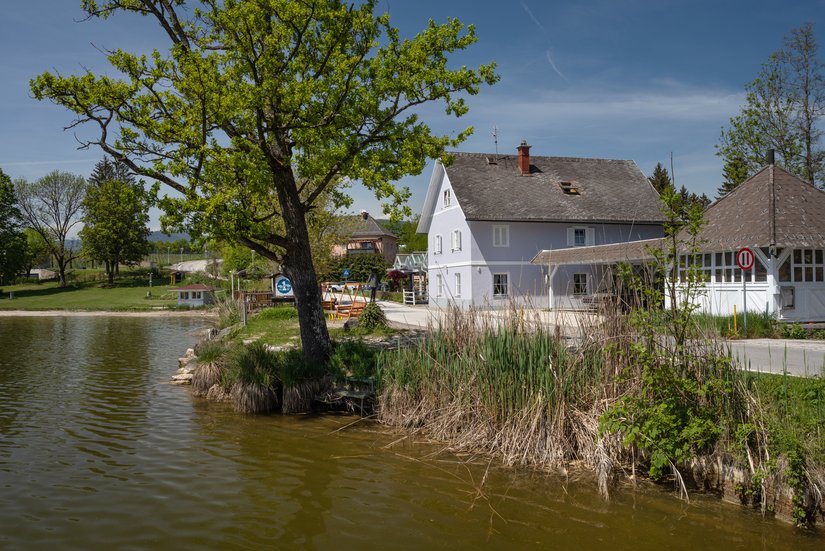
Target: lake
{"x": 98, "y": 450}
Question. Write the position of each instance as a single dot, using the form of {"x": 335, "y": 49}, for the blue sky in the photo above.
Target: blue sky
{"x": 623, "y": 79}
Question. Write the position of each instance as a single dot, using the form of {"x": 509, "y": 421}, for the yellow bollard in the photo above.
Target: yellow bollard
{"x": 735, "y": 332}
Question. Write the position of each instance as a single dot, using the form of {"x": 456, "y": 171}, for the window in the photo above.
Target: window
{"x": 580, "y": 284}
{"x": 439, "y": 286}
{"x": 184, "y": 295}
{"x": 580, "y": 236}
{"x": 501, "y": 236}
{"x": 500, "y": 286}
{"x": 196, "y": 295}
{"x": 447, "y": 197}
{"x": 458, "y": 285}
{"x": 437, "y": 245}
{"x": 803, "y": 265}
{"x": 456, "y": 240}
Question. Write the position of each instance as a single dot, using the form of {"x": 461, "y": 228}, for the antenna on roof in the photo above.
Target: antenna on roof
{"x": 672, "y": 174}
{"x": 495, "y": 139}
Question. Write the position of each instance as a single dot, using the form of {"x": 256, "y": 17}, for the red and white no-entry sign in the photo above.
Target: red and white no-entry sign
{"x": 745, "y": 258}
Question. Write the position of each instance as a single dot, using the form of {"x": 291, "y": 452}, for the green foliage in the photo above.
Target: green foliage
{"x": 281, "y": 312}
{"x": 360, "y": 267}
{"x": 116, "y": 214}
{"x": 761, "y": 325}
{"x": 12, "y": 238}
{"x": 51, "y": 206}
{"x": 254, "y": 111}
{"x": 354, "y": 358}
{"x": 372, "y": 318}
{"x": 783, "y": 108}
{"x": 408, "y": 240}
{"x": 793, "y": 331}
{"x": 660, "y": 179}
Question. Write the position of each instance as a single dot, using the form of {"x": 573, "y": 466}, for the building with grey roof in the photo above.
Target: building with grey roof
{"x": 779, "y": 217}
{"x": 487, "y": 216}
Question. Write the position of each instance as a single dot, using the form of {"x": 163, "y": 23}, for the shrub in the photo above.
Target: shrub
{"x": 793, "y": 331}
{"x": 208, "y": 373}
{"x": 353, "y": 358}
{"x": 372, "y": 317}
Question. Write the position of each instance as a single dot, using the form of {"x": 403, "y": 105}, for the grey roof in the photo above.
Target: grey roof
{"x": 772, "y": 207}
{"x": 629, "y": 251}
{"x": 610, "y": 190}
{"x": 359, "y": 228}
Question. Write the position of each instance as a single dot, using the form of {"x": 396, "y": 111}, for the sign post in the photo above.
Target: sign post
{"x": 745, "y": 259}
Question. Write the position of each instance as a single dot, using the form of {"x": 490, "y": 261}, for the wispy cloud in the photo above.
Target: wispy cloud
{"x": 553, "y": 65}
{"x": 533, "y": 17}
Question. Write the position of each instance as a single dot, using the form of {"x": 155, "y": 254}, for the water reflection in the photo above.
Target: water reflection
{"x": 97, "y": 450}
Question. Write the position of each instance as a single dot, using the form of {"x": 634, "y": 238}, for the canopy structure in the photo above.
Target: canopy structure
{"x": 628, "y": 251}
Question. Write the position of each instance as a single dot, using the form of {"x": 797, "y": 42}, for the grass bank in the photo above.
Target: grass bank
{"x": 86, "y": 291}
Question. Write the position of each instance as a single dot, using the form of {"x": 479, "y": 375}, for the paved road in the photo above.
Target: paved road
{"x": 796, "y": 357}
{"x": 801, "y": 358}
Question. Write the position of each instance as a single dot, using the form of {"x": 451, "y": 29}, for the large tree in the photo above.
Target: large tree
{"x": 12, "y": 239}
{"x": 783, "y": 109}
{"x": 115, "y": 214}
{"x": 51, "y": 207}
{"x": 255, "y": 109}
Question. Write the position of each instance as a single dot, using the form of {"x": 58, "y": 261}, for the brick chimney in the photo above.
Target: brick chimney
{"x": 524, "y": 158}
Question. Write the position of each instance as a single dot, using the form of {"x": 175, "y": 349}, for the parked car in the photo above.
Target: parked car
{"x": 335, "y": 287}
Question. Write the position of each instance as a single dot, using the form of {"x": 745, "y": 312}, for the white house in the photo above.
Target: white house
{"x": 487, "y": 216}
{"x": 195, "y": 295}
{"x": 775, "y": 214}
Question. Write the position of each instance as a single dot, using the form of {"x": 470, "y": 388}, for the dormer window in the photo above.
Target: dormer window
{"x": 569, "y": 188}
{"x": 447, "y": 197}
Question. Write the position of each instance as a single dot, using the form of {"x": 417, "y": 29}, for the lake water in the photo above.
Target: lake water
{"x": 98, "y": 451}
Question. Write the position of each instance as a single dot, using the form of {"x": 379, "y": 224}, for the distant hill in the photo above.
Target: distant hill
{"x": 160, "y": 237}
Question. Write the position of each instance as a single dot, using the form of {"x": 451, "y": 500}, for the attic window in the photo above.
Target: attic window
{"x": 569, "y": 188}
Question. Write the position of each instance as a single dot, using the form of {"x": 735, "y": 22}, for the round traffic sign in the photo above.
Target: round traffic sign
{"x": 745, "y": 258}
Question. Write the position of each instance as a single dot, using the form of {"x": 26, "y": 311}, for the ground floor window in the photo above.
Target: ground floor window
{"x": 439, "y": 286}
{"x": 803, "y": 265}
{"x": 196, "y": 295}
{"x": 500, "y": 285}
{"x": 184, "y": 295}
{"x": 580, "y": 284}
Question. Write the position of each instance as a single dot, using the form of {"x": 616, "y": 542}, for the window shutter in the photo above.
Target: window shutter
{"x": 458, "y": 240}
{"x": 590, "y": 236}
{"x": 571, "y": 237}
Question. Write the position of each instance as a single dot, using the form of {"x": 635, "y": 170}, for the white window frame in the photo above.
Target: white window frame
{"x": 586, "y": 284}
{"x": 447, "y": 198}
{"x": 457, "y": 279}
{"x": 455, "y": 240}
{"x": 589, "y": 236}
{"x": 437, "y": 245}
{"x": 439, "y": 285}
{"x": 506, "y": 293}
{"x": 501, "y": 235}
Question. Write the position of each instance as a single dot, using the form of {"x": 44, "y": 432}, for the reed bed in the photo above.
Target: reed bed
{"x": 623, "y": 398}
{"x": 507, "y": 387}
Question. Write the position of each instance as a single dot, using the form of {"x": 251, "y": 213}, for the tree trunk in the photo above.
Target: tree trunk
{"x": 298, "y": 267}
{"x": 61, "y": 269}
{"x": 110, "y": 273}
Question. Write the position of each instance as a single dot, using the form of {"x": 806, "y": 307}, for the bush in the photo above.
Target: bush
{"x": 280, "y": 312}
{"x": 794, "y": 331}
{"x": 372, "y": 318}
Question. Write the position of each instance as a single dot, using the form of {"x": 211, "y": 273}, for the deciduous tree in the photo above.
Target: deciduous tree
{"x": 115, "y": 214}
{"x": 12, "y": 240}
{"x": 256, "y": 108}
{"x": 51, "y": 207}
{"x": 782, "y": 111}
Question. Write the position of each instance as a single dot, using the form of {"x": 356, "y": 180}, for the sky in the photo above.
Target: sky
{"x": 617, "y": 79}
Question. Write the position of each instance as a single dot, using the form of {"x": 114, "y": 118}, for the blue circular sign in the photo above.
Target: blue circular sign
{"x": 346, "y": 272}
{"x": 284, "y": 286}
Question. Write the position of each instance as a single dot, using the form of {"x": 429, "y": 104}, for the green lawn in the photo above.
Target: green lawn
{"x": 129, "y": 293}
